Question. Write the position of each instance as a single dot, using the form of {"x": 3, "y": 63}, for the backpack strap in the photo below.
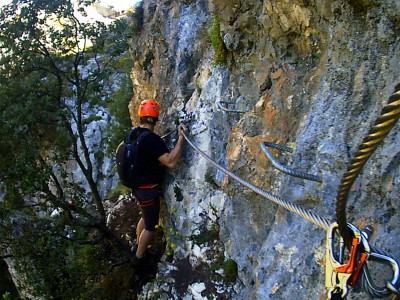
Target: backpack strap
{"x": 135, "y": 134}
{"x": 143, "y": 135}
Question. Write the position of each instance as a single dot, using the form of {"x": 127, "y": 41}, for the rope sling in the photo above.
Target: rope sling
{"x": 338, "y": 274}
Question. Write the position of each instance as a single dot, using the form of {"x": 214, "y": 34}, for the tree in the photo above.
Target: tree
{"x": 53, "y": 74}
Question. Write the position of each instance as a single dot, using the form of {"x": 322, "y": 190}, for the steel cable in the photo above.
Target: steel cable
{"x": 389, "y": 116}
{"x": 385, "y": 122}
{"x": 309, "y": 215}
{"x": 323, "y": 223}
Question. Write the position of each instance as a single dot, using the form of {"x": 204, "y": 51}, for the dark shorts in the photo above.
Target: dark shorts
{"x": 149, "y": 202}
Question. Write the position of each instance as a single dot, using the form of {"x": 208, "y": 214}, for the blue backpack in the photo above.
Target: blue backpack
{"x": 126, "y": 157}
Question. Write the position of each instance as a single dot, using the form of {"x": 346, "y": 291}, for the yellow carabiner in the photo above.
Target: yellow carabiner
{"x": 337, "y": 273}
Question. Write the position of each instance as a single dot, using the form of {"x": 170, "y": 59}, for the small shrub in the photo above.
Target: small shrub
{"x": 209, "y": 178}
{"x": 118, "y": 190}
{"x": 230, "y": 270}
{"x": 7, "y": 296}
{"x": 207, "y": 236}
{"x": 167, "y": 240}
{"x": 229, "y": 267}
{"x": 217, "y": 42}
{"x": 136, "y": 18}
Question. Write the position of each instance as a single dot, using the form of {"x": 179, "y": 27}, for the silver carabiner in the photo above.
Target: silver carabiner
{"x": 391, "y": 286}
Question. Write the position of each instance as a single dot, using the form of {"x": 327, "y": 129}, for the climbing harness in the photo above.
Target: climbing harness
{"x": 282, "y": 168}
{"x": 347, "y": 248}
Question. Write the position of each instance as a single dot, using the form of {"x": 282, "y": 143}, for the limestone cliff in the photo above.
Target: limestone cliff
{"x": 312, "y": 75}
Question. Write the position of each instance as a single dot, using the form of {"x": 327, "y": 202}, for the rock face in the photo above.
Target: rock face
{"x": 312, "y": 75}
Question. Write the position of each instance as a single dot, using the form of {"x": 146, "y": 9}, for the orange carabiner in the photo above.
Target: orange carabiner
{"x": 354, "y": 277}
{"x": 351, "y": 264}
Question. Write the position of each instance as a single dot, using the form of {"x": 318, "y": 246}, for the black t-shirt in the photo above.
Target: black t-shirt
{"x": 150, "y": 170}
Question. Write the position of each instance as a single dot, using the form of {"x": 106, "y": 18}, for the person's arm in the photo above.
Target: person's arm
{"x": 171, "y": 159}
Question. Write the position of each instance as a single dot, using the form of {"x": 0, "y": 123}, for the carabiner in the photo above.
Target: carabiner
{"x": 391, "y": 286}
{"x": 335, "y": 281}
{"x": 339, "y": 275}
{"x": 365, "y": 235}
{"x": 350, "y": 266}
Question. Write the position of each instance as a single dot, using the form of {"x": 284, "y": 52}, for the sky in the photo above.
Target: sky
{"x": 119, "y": 5}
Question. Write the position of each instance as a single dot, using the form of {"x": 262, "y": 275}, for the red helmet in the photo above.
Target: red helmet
{"x": 149, "y": 108}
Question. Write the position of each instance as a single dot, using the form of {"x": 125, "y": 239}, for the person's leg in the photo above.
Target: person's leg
{"x": 139, "y": 229}
{"x": 144, "y": 240}
{"x": 150, "y": 220}
{"x": 149, "y": 203}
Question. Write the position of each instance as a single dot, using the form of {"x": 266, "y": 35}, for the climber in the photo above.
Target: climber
{"x": 153, "y": 154}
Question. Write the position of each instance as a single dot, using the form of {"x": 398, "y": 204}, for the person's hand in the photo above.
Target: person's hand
{"x": 182, "y": 129}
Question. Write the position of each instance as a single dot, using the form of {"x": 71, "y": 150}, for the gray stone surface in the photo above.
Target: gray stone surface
{"x": 313, "y": 75}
